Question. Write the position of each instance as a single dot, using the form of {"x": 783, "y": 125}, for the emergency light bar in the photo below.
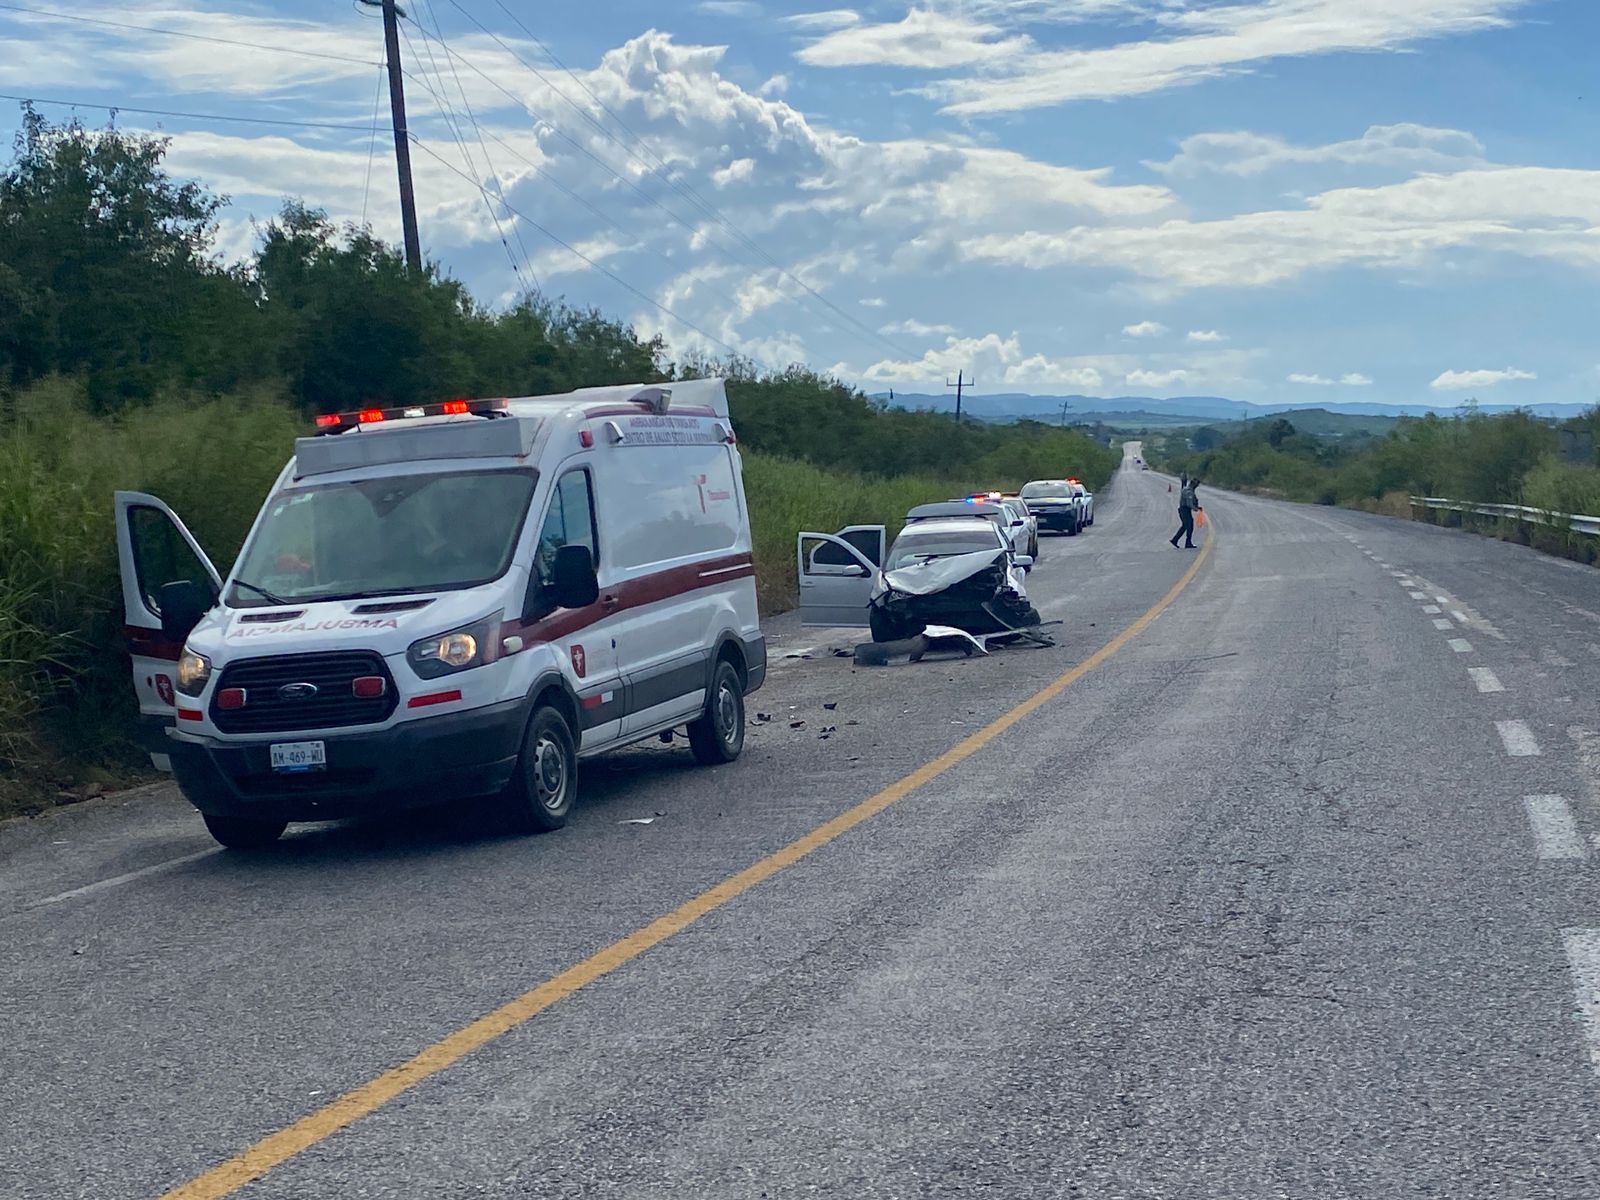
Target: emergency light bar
{"x": 339, "y": 422}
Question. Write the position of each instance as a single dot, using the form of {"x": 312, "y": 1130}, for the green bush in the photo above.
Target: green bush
{"x": 63, "y": 677}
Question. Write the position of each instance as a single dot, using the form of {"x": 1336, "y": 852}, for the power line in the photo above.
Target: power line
{"x": 472, "y": 117}
{"x": 372, "y": 142}
{"x": 192, "y": 116}
{"x": 675, "y": 217}
{"x": 453, "y": 124}
{"x": 659, "y": 168}
{"x": 573, "y": 250}
{"x": 178, "y": 33}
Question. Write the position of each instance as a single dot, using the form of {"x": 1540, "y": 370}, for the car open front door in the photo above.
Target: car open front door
{"x": 837, "y": 575}
{"x": 154, "y": 548}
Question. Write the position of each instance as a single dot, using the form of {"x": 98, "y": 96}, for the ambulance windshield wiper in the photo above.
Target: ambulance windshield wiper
{"x": 262, "y": 592}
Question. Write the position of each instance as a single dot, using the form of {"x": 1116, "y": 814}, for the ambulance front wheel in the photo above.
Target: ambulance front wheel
{"x": 717, "y": 736}
{"x": 546, "y": 781}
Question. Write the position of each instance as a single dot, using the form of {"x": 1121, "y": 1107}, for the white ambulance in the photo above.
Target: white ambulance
{"x": 452, "y": 601}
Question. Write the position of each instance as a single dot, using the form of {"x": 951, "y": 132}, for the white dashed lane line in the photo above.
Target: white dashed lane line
{"x": 1459, "y": 615}
{"x": 1555, "y": 833}
{"x": 1583, "y": 956}
{"x": 1433, "y": 610}
{"x": 1442, "y": 623}
{"x": 1461, "y": 645}
{"x": 1419, "y": 595}
{"x": 1485, "y": 679}
{"x": 1518, "y": 738}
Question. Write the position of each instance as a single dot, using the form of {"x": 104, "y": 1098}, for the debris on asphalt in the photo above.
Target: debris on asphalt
{"x": 800, "y": 724}
{"x": 841, "y": 652}
{"x": 762, "y": 718}
{"x": 830, "y": 705}
{"x": 638, "y": 821}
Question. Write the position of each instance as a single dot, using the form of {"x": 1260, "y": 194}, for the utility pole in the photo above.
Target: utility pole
{"x": 960, "y": 385}
{"x": 1065, "y": 404}
{"x": 402, "y": 143}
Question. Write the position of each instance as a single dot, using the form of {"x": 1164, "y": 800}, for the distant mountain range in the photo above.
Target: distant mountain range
{"x": 1011, "y": 406}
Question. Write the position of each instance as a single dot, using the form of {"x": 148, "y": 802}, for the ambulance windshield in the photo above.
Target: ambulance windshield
{"x": 383, "y": 537}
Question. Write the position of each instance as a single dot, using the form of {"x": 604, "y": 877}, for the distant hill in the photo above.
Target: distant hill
{"x": 1322, "y": 423}
{"x": 1011, "y": 406}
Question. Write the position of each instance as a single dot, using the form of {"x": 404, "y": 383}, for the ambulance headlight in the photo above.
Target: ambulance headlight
{"x": 458, "y": 650}
{"x": 194, "y": 670}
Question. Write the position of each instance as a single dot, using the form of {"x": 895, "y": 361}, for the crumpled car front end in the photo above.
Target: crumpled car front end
{"x": 982, "y": 593}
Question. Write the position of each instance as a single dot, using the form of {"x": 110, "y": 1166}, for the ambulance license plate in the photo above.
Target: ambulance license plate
{"x": 291, "y": 757}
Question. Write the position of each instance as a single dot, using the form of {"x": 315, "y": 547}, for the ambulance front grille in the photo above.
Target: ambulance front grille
{"x": 272, "y": 705}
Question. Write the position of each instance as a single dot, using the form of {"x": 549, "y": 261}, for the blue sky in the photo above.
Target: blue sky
{"x": 1273, "y": 200}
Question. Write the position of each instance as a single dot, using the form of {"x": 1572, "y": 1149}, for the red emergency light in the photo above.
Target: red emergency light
{"x": 339, "y": 422}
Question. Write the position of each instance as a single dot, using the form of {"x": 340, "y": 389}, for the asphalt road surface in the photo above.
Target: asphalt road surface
{"x": 1283, "y": 890}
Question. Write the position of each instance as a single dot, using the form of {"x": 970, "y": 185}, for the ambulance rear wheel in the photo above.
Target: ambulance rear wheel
{"x": 244, "y": 833}
{"x": 546, "y": 781}
{"x": 717, "y": 736}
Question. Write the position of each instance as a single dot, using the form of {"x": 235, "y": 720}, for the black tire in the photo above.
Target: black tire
{"x": 1072, "y": 529}
{"x": 244, "y": 833}
{"x": 546, "y": 781}
{"x": 1035, "y": 550}
{"x": 717, "y": 736}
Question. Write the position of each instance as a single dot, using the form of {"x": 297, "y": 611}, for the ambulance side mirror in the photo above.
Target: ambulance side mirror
{"x": 572, "y": 580}
{"x": 183, "y": 604}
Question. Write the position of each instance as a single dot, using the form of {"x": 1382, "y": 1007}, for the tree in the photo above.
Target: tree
{"x": 107, "y": 266}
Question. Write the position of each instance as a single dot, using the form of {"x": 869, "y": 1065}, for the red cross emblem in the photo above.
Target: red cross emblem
{"x": 580, "y": 662}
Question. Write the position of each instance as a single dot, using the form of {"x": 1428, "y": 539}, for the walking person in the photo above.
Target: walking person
{"x": 1188, "y": 505}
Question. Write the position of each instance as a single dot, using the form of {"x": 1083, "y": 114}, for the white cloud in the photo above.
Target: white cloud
{"x": 1461, "y": 381}
{"x": 1408, "y": 147}
{"x": 777, "y": 85}
{"x": 737, "y": 171}
{"x": 1156, "y": 379}
{"x": 1354, "y": 379}
{"x": 916, "y": 328}
{"x": 1145, "y": 329}
{"x": 931, "y": 41}
{"x": 729, "y": 8}
{"x": 1536, "y": 212}
{"x": 874, "y": 302}
{"x": 1213, "y": 41}
{"x": 1205, "y": 335}
{"x": 833, "y": 18}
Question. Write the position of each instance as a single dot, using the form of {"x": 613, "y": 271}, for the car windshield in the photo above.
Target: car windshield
{"x": 388, "y": 536}
{"x": 1046, "y": 491}
{"x": 922, "y": 544}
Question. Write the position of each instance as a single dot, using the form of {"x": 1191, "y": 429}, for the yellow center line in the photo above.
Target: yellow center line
{"x": 279, "y": 1147}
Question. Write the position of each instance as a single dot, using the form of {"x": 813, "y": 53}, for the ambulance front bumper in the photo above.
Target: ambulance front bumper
{"x": 412, "y": 765}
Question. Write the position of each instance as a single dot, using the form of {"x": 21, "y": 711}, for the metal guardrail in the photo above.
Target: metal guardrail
{"x": 1514, "y": 512}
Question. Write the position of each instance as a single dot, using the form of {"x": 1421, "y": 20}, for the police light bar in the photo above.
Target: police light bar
{"x": 339, "y": 422}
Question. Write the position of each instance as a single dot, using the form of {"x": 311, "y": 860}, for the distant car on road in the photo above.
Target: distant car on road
{"x": 1085, "y": 501}
{"x": 1055, "y": 504}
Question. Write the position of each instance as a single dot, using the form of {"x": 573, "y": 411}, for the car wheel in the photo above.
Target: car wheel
{"x": 1072, "y": 529}
{"x": 546, "y": 779}
{"x": 718, "y": 735}
{"x": 244, "y": 833}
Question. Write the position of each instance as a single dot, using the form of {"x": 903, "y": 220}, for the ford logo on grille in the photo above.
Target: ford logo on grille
{"x": 297, "y": 691}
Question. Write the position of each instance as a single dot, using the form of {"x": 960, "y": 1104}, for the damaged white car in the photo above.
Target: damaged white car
{"x": 951, "y": 572}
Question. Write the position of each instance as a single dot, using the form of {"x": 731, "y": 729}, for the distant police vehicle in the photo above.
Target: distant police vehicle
{"x": 1056, "y": 503}
{"x": 450, "y": 601}
{"x": 1085, "y": 501}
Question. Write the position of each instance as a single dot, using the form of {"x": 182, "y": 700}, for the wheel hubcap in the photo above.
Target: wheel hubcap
{"x": 550, "y": 773}
{"x": 727, "y": 714}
